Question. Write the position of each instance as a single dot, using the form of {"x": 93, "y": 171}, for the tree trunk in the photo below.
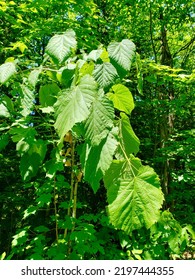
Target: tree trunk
{"x": 166, "y": 95}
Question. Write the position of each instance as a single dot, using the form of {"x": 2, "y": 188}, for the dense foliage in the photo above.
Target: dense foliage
{"x": 96, "y": 121}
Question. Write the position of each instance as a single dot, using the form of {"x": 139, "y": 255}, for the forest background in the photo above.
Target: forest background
{"x": 57, "y": 200}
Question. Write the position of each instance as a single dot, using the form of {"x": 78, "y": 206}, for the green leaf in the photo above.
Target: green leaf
{"x": 134, "y": 195}
{"x": 95, "y": 54}
{"x": 48, "y": 94}
{"x": 20, "y": 238}
{"x": 19, "y": 133}
{"x": 6, "y": 71}
{"x": 31, "y": 160}
{"x": 127, "y": 137}
{"x": 29, "y": 166}
{"x": 4, "y": 141}
{"x": 122, "y": 98}
{"x": 87, "y": 68}
{"x": 27, "y": 100}
{"x": 43, "y": 199}
{"x": 73, "y": 105}
{"x": 100, "y": 120}
{"x": 31, "y": 210}
{"x": 65, "y": 74}
{"x": 61, "y": 46}
{"x": 2, "y": 256}
{"x": 33, "y": 77}
{"x": 105, "y": 74}
{"x": 122, "y": 53}
{"x": 6, "y": 107}
{"x": 4, "y": 111}
{"x": 96, "y": 160}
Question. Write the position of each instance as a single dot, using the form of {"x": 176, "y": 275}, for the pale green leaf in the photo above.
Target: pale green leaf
{"x": 4, "y": 112}
{"x": 134, "y": 196}
{"x": 105, "y": 74}
{"x": 27, "y": 100}
{"x": 94, "y": 55}
{"x": 122, "y": 53}
{"x": 73, "y": 105}
{"x": 122, "y": 98}
{"x": 2, "y": 256}
{"x": 100, "y": 120}
{"x": 33, "y": 77}
{"x": 6, "y": 71}
{"x": 61, "y": 46}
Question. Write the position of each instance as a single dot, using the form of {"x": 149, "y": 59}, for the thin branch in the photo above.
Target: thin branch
{"x": 185, "y": 46}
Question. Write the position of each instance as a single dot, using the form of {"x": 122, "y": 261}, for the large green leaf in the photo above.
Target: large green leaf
{"x": 128, "y": 139}
{"x": 100, "y": 120}
{"x": 134, "y": 195}
{"x": 73, "y": 105}
{"x": 105, "y": 74}
{"x": 31, "y": 160}
{"x": 6, "y": 71}
{"x": 61, "y": 46}
{"x": 122, "y": 53}
{"x": 122, "y": 98}
{"x": 96, "y": 160}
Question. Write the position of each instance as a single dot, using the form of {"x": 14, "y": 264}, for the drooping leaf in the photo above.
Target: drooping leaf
{"x": 33, "y": 77}
{"x": 100, "y": 120}
{"x": 127, "y": 137}
{"x": 122, "y": 98}
{"x": 73, "y": 105}
{"x": 122, "y": 53}
{"x": 6, "y": 71}
{"x": 61, "y": 46}
{"x": 105, "y": 74}
{"x": 96, "y": 160}
{"x": 48, "y": 94}
{"x": 27, "y": 100}
{"x": 134, "y": 196}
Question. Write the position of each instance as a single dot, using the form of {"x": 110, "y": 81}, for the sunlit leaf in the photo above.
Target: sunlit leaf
{"x": 105, "y": 74}
{"x": 134, "y": 195}
{"x": 6, "y": 71}
{"x": 122, "y": 53}
{"x": 100, "y": 120}
{"x": 122, "y": 98}
{"x": 61, "y": 46}
{"x": 73, "y": 105}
